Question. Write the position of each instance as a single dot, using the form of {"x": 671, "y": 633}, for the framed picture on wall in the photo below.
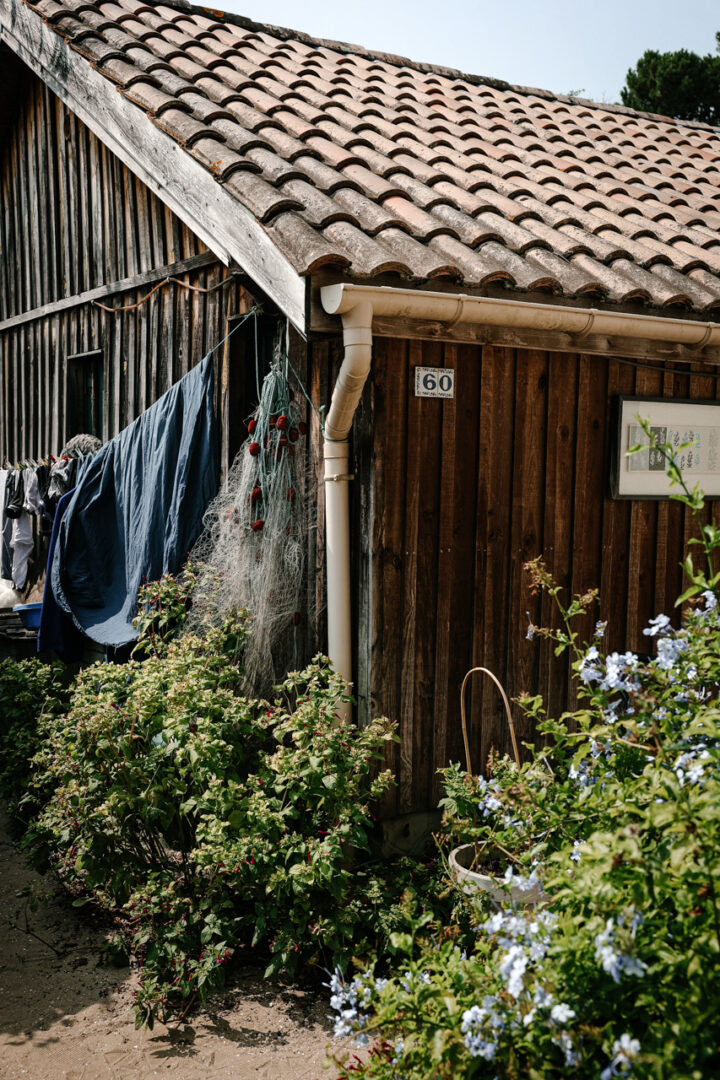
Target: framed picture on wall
{"x": 643, "y": 475}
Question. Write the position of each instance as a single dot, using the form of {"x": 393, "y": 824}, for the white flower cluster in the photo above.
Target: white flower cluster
{"x": 409, "y": 980}
{"x": 489, "y": 803}
{"x": 513, "y": 880}
{"x": 617, "y": 672}
{"x": 480, "y": 1026}
{"x": 689, "y": 767}
{"x": 524, "y": 942}
{"x": 348, "y": 1000}
{"x": 614, "y": 962}
{"x": 624, "y": 1050}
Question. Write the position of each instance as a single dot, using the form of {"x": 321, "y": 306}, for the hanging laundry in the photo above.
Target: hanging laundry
{"x": 46, "y": 515}
{"x": 22, "y": 546}
{"x": 62, "y": 479}
{"x": 22, "y": 540}
{"x": 31, "y": 502}
{"x": 137, "y": 509}
{"x": 16, "y": 489}
{"x": 5, "y": 527}
{"x": 57, "y": 631}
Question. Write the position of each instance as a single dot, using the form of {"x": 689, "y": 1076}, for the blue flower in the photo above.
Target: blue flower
{"x": 614, "y": 962}
{"x": 624, "y": 1049}
{"x": 620, "y": 669}
{"x": 669, "y": 649}
{"x": 562, "y": 1013}
{"x": 689, "y": 766}
{"x": 658, "y": 626}
{"x": 589, "y": 671}
{"x": 572, "y": 1058}
{"x": 345, "y": 1000}
{"x": 711, "y": 603}
{"x": 475, "y": 1039}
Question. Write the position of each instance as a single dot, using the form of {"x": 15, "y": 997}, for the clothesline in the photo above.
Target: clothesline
{"x": 163, "y": 284}
{"x": 36, "y": 463}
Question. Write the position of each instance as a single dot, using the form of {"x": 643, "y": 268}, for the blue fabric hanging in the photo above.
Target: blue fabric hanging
{"x": 138, "y": 508}
{"x": 57, "y": 631}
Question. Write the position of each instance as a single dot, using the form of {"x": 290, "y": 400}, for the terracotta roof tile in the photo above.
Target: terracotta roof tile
{"x": 364, "y": 257}
{"x": 150, "y": 97}
{"x": 181, "y": 125}
{"x": 317, "y": 208}
{"x": 692, "y": 292}
{"x": 370, "y": 215}
{"x": 262, "y": 199}
{"x": 370, "y": 164}
{"x": 338, "y": 156}
{"x": 275, "y": 170}
{"x": 218, "y": 158}
{"x": 571, "y": 279}
{"x": 422, "y": 224}
{"x": 709, "y": 282}
{"x": 372, "y": 185}
{"x": 305, "y": 247}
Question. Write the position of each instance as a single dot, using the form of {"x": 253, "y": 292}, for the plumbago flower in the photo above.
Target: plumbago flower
{"x": 624, "y": 1050}
{"x": 616, "y": 973}
{"x": 348, "y": 1000}
{"x": 613, "y": 961}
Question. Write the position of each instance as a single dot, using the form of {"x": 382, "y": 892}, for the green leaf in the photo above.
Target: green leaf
{"x": 401, "y": 942}
{"x": 330, "y": 780}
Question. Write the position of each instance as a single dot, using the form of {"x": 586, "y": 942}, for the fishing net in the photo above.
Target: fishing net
{"x": 253, "y": 551}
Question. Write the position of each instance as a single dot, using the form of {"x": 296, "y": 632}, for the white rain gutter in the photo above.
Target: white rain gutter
{"x": 357, "y": 304}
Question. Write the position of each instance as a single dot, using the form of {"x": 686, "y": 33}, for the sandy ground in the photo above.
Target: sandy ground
{"x": 62, "y": 1017}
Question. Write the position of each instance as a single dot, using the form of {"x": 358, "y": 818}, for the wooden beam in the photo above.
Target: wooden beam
{"x": 185, "y": 186}
{"x": 149, "y": 277}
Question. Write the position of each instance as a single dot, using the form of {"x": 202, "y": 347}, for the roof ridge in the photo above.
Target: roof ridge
{"x": 286, "y": 33}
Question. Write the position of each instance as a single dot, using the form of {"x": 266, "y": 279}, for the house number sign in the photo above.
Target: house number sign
{"x": 434, "y": 382}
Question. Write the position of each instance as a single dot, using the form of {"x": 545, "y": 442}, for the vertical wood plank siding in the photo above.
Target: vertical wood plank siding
{"x": 73, "y": 218}
{"x": 464, "y": 493}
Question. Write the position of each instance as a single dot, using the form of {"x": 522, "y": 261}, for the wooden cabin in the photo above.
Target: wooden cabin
{"x": 216, "y": 163}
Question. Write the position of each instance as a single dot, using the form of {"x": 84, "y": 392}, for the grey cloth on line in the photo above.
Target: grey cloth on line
{"x": 22, "y": 546}
{"x": 5, "y": 529}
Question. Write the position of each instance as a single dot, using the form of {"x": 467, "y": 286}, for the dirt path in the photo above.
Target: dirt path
{"x": 64, "y": 1018}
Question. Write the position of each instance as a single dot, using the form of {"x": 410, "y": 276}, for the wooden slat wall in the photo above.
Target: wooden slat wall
{"x": 465, "y": 492}
{"x": 73, "y": 218}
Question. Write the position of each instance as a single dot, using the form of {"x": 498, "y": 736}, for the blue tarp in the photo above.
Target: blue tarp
{"x": 138, "y": 509}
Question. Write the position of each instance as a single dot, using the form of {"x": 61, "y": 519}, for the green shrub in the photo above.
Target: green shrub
{"x": 209, "y": 821}
{"x": 29, "y": 689}
{"x": 120, "y": 774}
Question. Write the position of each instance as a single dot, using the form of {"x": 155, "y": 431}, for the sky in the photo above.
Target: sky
{"x": 559, "y": 45}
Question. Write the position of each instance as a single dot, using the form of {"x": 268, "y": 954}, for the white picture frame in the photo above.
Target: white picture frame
{"x": 643, "y": 475}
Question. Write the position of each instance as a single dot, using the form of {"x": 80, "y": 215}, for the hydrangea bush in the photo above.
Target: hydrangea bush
{"x": 616, "y": 973}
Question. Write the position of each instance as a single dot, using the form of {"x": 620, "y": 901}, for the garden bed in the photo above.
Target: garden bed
{"x": 64, "y": 1016}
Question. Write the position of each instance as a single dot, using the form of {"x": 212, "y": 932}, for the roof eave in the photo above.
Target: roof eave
{"x": 185, "y": 186}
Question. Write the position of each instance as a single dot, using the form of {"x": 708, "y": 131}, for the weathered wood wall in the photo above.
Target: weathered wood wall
{"x": 465, "y": 492}
{"x": 74, "y": 219}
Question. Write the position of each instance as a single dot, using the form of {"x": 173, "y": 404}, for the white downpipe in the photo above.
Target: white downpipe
{"x": 357, "y": 338}
{"x": 357, "y": 304}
